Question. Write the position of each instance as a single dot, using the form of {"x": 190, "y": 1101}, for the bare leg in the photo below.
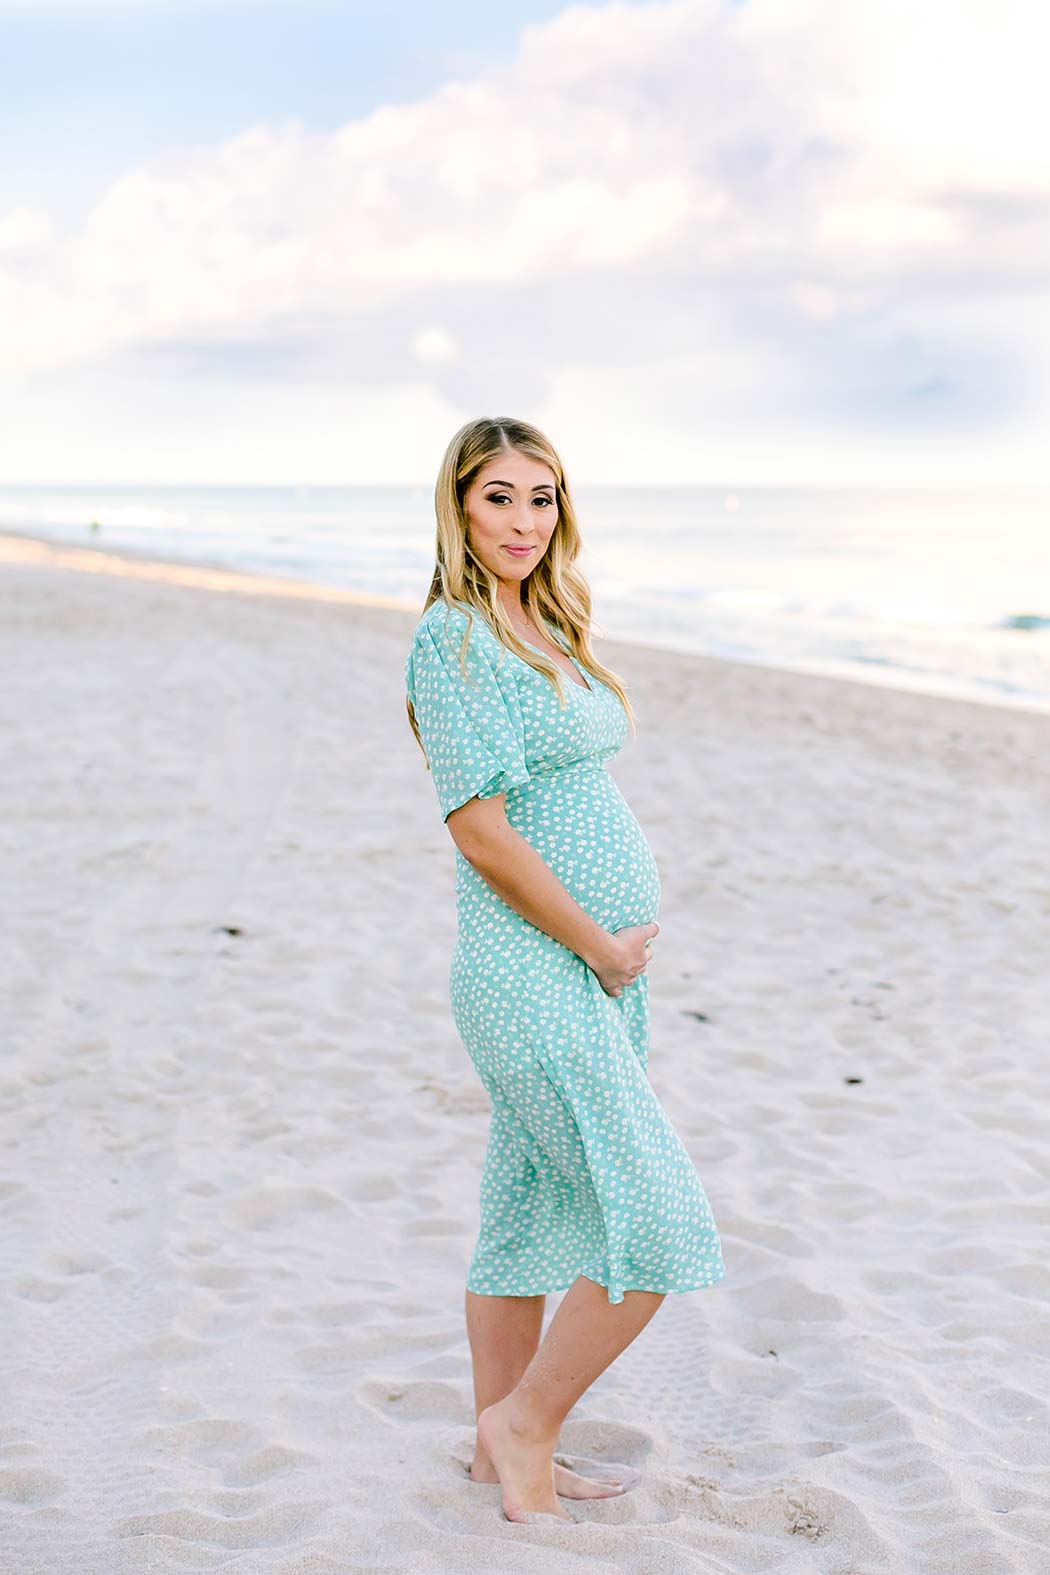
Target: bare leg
{"x": 504, "y": 1332}
{"x": 520, "y": 1432}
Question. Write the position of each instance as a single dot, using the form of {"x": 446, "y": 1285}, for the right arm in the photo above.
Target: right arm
{"x": 472, "y": 728}
{"x": 521, "y": 876}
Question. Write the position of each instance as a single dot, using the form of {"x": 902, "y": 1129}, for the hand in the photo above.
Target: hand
{"x": 624, "y": 957}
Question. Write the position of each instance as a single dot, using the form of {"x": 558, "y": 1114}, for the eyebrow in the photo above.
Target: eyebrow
{"x": 543, "y": 486}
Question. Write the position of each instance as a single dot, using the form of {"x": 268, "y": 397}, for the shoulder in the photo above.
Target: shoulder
{"x": 454, "y": 616}
{"x": 456, "y": 627}
{"x": 454, "y": 639}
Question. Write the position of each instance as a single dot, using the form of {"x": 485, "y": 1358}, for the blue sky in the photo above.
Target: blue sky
{"x": 136, "y": 78}
{"x": 696, "y": 241}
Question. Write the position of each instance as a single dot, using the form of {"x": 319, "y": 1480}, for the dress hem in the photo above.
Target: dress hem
{"x": 610, "y": 1286}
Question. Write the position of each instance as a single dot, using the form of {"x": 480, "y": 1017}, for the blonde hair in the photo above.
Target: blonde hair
{"x": 555, "y": 589}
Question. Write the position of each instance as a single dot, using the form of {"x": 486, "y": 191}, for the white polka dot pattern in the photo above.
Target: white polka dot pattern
{"x": 584, "y": 1173}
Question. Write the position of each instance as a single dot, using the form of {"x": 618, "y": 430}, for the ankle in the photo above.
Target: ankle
{"x": 531, "y": 1416}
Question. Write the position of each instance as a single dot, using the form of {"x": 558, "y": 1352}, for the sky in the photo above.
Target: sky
{"x": 769, "y": 242}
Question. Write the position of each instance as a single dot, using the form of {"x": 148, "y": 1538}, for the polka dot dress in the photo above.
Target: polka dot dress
{"x": 583, "y": 1172}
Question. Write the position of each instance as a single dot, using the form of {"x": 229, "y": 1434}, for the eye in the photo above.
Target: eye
{"x": 494, "y": 497}
{"x": 547, "y": 502}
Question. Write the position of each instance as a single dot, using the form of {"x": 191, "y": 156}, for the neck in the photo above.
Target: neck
{"x": 513, "y": 605}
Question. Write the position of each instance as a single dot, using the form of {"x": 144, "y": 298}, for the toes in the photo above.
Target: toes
{"x": 587, "y": 1487}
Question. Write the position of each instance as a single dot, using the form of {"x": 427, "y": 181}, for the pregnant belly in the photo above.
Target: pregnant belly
{"x": 582, "y": 825}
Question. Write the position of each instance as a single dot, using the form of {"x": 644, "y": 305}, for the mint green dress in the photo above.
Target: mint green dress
{"x": 584, "y": 1173}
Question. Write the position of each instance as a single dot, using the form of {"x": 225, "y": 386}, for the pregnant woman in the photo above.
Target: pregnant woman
{"x": 586, "y": 1186}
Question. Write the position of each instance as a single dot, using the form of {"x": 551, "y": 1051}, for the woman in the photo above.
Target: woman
{"x": 586, "y": 1186}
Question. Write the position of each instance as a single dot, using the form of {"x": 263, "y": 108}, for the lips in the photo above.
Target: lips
{"x": 519, "y": 552}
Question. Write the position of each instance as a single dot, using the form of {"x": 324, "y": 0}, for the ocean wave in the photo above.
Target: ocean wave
{"x": 1025, "y": 621}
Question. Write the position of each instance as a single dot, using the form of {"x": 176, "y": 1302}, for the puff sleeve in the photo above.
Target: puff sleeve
{"x": 470, "y": 723}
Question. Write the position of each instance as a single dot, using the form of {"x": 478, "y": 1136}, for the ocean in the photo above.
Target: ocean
{"x": 943, "y": 591}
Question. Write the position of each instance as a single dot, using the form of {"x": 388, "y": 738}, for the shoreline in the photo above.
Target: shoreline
{"x": 19, "y": 547}
{"x": 687, "y": 692}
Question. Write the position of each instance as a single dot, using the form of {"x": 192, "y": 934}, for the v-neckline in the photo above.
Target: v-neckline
{"x": 586, "y": 685}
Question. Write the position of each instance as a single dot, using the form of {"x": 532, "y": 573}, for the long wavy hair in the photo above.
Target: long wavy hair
{"x": 555, "y": 590}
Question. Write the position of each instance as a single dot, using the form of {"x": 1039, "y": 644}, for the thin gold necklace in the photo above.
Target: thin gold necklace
{"x": 529, "y": 622}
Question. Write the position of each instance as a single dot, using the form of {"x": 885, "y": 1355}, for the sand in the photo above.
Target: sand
{"x": 241, "y": 1140}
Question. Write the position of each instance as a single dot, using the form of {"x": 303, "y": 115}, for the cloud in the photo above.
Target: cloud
{"x": 747, "y": 189}
{"x": 435, "y": 344}
{"x": 25, "y": 235}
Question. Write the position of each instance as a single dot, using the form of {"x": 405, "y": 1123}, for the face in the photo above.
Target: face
{"x": 511, "y": 503}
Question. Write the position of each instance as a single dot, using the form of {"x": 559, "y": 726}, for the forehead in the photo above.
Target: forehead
{"x": 519, "y": 469}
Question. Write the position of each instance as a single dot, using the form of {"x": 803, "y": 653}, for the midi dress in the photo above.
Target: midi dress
{"x": 583, "y": 1174}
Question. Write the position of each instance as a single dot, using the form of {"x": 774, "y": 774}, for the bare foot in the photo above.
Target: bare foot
{"x": 567, "y": 1483}
{"x": 523, "y": 1455}
{"x": 570, "y": 1484}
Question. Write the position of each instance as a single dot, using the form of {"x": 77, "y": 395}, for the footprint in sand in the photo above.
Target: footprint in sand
{"x": 424, "y": 1400}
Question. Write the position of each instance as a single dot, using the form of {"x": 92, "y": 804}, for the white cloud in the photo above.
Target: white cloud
{"x": 25, "y": 233}
{"x": 735, "y": 193}
{"x": 262, "y": 434}
{"x": 435, "y": 344}
{"x": 854, "y": 145}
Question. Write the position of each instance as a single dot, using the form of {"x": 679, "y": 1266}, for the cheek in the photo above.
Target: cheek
{"x": 484, "y": 526}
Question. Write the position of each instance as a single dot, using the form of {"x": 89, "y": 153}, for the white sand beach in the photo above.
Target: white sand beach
{"x": 241, "y": 1140}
